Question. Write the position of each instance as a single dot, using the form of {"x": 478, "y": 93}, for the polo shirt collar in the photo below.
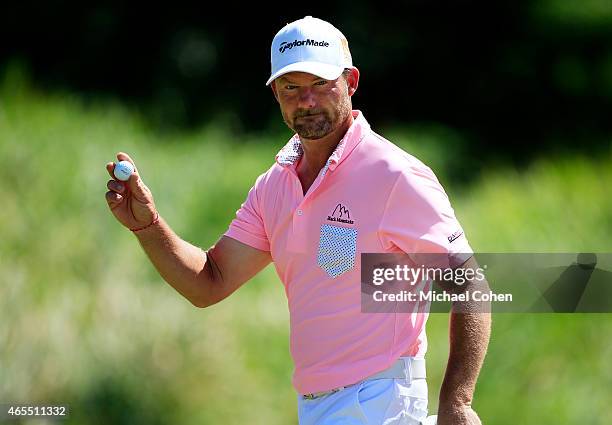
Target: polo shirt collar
{"x": 293, "y": 150}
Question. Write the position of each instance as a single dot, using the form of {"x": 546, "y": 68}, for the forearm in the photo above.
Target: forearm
{"x": 181, "y": 264}
{"x": 469, "y": 339}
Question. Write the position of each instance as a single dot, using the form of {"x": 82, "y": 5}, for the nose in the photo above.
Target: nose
{"x": 306, "y": 98}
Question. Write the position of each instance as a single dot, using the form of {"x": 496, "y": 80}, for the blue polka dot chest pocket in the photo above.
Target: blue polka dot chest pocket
{"x": 337, "y": 248}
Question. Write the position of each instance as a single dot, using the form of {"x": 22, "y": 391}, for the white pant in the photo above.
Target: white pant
{"x": 369, "y": 402}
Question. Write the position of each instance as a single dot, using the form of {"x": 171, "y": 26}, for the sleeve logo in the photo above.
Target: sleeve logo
{"x": 454, "y": 236}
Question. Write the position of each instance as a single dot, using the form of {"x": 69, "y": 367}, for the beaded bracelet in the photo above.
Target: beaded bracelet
{"x": 155, "y": 221}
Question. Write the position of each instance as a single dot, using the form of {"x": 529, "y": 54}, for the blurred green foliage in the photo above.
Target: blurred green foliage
{"x": 514, "y": 79}
{"x": 596, "y": 14}
{"x": 85, "y": 319}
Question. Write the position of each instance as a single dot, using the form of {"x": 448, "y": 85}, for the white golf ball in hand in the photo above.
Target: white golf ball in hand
{"x": 123, "y": 170}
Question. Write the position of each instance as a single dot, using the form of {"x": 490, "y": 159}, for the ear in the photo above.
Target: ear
{"x": 353, "y": 81}
{"x": 273, "y": 87}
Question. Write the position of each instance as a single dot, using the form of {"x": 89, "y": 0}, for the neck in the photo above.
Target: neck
{"x": 316, "y": 152}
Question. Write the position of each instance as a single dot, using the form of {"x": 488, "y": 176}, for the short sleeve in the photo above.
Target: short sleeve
{"x": 418, "y": 218}
{"x": 248, "y": 226}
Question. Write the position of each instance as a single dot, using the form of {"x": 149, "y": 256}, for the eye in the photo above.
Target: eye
{"x": 290, "y": 87}
{"x": 321, "y": 83}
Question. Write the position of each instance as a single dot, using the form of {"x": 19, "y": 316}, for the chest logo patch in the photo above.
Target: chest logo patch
{"x": 341, "y": 214}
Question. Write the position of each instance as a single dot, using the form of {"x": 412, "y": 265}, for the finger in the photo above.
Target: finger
{"x": 135, "y": 183}
{"x": 113, "y": 199}
{"x": 110, "y": 167}
{"x": 122, "y": 156}
{"x": 115, "y": 186}
{"x": 138, "y": 189}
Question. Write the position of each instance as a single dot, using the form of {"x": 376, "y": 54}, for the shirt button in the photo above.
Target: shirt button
{"x": 300, "y": 212}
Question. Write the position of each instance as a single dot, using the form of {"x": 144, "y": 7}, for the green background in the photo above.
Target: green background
{"x": 86, "y": 321}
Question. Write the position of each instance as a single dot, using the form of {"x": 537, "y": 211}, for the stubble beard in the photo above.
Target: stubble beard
{"x": 321, "y": 124}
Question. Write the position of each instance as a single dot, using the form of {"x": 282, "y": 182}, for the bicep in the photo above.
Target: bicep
{"x": 230, "y": 263}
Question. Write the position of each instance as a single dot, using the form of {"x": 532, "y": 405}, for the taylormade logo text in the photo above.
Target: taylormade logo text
{"x": 295, "y": 43}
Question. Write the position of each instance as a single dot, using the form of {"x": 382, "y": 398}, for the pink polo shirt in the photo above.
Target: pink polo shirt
{"x": 370, "y": 197}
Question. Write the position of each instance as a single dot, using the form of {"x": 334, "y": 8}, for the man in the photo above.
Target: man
{"x": 337, "y": 189}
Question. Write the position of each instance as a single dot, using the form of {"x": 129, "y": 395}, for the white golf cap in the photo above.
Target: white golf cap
{"x": 310, "y": 45}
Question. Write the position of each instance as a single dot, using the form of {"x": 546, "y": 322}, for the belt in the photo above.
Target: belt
{"x": 408, "y": 368}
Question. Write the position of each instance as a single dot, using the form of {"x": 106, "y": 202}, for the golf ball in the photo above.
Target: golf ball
{"x": 123, "y": 170}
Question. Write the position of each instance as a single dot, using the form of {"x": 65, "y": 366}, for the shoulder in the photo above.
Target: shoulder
{"x": 269, "y": 177}
{"x": 269, "y": 184}
{"x": 394, "y": 160}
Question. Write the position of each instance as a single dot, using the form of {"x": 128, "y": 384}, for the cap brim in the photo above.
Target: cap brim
{"x": 322, "y": 70}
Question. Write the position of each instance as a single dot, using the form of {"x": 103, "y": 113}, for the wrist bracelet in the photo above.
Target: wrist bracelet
{"x": 155, "y": 221}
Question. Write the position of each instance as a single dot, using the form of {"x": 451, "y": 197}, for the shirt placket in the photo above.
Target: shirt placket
{"x": 301, "y": 214}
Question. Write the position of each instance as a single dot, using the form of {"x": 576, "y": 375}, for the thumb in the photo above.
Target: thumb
{"x": 139, "y": 190}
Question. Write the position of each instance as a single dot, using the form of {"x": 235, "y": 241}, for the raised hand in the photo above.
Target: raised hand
{"x": 131, "y": 202}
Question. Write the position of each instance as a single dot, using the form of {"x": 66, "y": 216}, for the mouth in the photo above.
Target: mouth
{"x": 308, "y": 116}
